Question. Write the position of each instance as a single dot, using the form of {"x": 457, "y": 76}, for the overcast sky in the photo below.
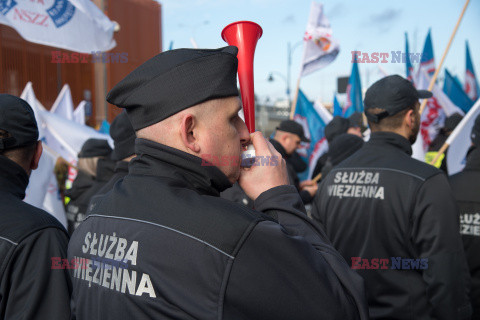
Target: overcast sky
{"x": 373, "y": 26}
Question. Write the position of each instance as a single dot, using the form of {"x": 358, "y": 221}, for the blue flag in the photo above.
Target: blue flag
{"x": 337, "y": 109}
{"x": 313, "y": 118}
{"x": 408, "y": 63}
{"x": 354, "y": 93}
{"x": 471, "y": 84}
{"x": 455, "y": 93}
{"x": 428, "y": 61}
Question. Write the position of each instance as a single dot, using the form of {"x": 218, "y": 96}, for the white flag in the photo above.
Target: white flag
{"x": 29, "y": 95}
{"x": 433, "y": 117}
{"x": 67, "y": 137}
{"x": 63, "y": 105}
{"x": 76, "y": 25}
{"x": 79, "y": 113}
{"x": 319, "y": 48}
{"x": 460, "y": 140}
{"x": 42, "y": 190}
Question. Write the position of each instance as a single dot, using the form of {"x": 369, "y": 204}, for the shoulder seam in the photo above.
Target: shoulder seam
{"x": 8, "y": 240}
{"x": 165, "y": 227}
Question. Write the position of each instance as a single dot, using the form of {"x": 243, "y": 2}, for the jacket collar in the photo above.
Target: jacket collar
{"x": 121, "y": 166}
{"x": 384, "y": 138}
{"x": 279, "y": 148}
{"x": 160, "y": 160}
{"x": 13, "y": 178}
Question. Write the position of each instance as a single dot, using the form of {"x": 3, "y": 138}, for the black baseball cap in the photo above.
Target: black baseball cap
{"x": 294, "y": 127}
{"x": 392, "y": 94}
{"x": 18, "y": 120}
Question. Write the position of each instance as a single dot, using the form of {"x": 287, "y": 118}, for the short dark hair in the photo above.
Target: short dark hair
{"x": 388, "y": 123}
{"x": 21, "y": 155}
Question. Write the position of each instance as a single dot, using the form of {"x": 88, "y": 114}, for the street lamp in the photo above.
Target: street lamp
{"x": 271, "y": 79}
{"x": 290, "y": 50}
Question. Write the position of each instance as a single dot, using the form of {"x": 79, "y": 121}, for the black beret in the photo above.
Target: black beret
{"x": 335, "y": 127}
{"x": 176, "y": 80}
{"x": 95, "y": 148}
{"x": 18, "y": 120}
{"x": 452, "y": 121}
{"x": 123, "y": 137}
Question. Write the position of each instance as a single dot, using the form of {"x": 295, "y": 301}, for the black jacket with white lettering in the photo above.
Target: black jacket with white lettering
{"x": 170, "y": 248}
{"x": 466, "y": 189}
{"x": 380, "y": 203}
{"x": 29, "y": 239}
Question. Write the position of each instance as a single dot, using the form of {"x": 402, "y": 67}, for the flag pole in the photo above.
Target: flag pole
{"x": 457, "y": 130}
{"x": 434, "y": 78}
{"x": 317, "y": 177}
{"x": 294, "y": 103}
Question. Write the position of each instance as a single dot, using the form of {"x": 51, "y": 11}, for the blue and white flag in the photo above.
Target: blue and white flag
{"x": 337, "y": 109}
{"x": 76, "y": 25}
{"x": 354, "y": 93}
{"x": 428, "y": 62}
{"x": 313, "y": 118}
{"x": 319, "y": 49}
{"x": 408, "y": 63}
{"x": 471, "y": 85}
{"x": 453, "y": 89}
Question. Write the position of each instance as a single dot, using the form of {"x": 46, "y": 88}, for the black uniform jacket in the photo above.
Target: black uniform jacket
{"x": 33, "y": 284}
{"x": 121, "y": 170}
{"x": 382, "y": 204}
{"x": 466, "y": 189}
{"x": 292, "y": 172}
{"x": 163, "y": 245}
{"x": 83, "y": 189}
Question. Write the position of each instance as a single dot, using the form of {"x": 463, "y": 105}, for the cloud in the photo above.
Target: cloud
{"x": 384, "y": 20}
{"x": 386, "y": 16}
{"x": 290, "y": 19}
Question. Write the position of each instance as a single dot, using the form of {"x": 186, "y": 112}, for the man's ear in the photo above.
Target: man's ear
{"x": 36, "y": 156}
{"x": 410, "y": 118}
{"x": 188, "y": 132}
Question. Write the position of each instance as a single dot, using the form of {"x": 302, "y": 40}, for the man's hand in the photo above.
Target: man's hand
{"x": 265, "y": 175}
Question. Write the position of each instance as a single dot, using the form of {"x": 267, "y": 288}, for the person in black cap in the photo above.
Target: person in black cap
{"x": 333, "y": 129}
{"x": 31, "y": 240}
{"x": 95, "y": 168}
{"x": 123, "y": 137}
{"x": 466, "y": 190}
{"x": 162, "y": 244}
{"x": 287, "y": 139}
{"x": 394, "y": 218}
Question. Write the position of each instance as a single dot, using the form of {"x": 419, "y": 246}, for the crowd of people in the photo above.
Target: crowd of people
{"x": 154, "y": 232}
